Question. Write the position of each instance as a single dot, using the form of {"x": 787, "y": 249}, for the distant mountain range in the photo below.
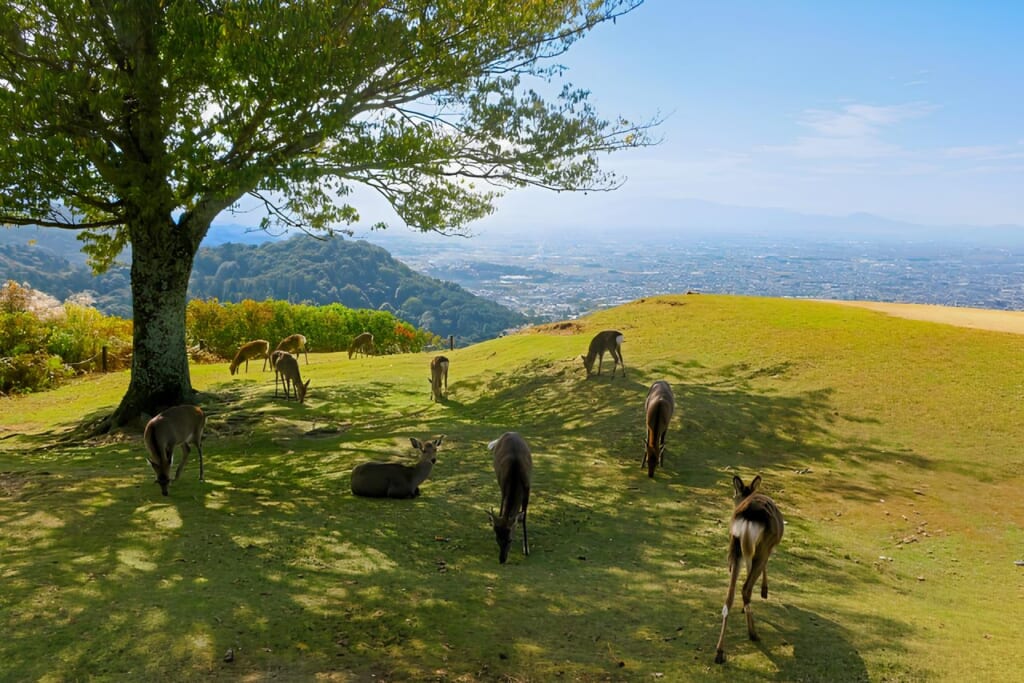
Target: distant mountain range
{"x": 299, "y": 270}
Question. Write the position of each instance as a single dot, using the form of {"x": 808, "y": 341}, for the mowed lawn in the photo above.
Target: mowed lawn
{"x": 892, "y": 446}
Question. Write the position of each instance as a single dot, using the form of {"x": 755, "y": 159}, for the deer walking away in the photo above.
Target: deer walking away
{"x": 513, "y": 464}
{"x": 258, "y": 348}
{"x": 658, "y": 408}
{"x": 180, "y": 425}
{"x": 608, "y": 341}
{"x": 438, "y": 373}
{"x": 755, "y": 529}
{"x": 394, "y": 480}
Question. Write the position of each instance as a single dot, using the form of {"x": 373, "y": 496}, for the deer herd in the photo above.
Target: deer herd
{"x": 755, "y": 527}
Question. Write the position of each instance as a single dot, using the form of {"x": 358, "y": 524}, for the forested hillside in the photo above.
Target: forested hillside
{"x": 300, "y": 270}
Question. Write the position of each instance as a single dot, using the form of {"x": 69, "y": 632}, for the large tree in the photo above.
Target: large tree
{"x": 137, "y": 122}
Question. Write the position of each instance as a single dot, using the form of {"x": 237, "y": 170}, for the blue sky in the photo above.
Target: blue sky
{"x": 909, "y": 110}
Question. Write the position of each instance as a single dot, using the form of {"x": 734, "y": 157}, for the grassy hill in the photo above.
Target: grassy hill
{"x": 892, "y": 447}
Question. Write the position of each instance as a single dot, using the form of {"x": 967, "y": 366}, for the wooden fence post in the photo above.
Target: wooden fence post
{"x": 104, "y": 363}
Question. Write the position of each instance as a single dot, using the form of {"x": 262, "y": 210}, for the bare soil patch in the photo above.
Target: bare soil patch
{"x": 978, "y": 318}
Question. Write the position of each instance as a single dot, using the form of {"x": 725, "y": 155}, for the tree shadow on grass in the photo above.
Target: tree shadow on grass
{"x": 275, "y": 559}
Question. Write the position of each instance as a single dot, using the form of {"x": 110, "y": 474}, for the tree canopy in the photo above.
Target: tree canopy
{"x": 138, "y": 122}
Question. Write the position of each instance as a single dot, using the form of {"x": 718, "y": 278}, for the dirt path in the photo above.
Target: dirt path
{"x": 978, "y": 318}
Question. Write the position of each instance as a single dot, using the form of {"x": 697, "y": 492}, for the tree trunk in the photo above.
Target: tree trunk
{"x": 162, "y": 256}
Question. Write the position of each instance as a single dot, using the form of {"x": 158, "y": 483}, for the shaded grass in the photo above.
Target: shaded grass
{"x": 890, "y": 446}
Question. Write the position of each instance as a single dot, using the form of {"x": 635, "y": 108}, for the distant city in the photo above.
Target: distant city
{"x": 552, "y": 278}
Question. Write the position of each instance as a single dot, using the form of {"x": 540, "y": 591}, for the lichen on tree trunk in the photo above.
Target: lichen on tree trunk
{"x": 162, "y": 256}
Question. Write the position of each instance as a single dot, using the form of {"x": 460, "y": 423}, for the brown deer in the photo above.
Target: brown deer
{"x": 294, "y": 343}
{"x": 178, "y": 425}
{"x": 514, "y": 466}
{"x": 394, "y": 480}
{"x": 438, "y": 373}
{"x": 755, "y": 529}
{"x": 258, "y": 348}
{"x": 658, "y": 408}
{"x": 274, "y": 357}
{"x": 288, "y": 368}
{"x": 608, "y": 341}
{"x": 363, "y": 343}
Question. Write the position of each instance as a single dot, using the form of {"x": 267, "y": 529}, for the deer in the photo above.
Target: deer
{"x": 179, "y": 425}
{"x": 607, "y": 341}
{"x": 658, "y": 408}
{"x": 294, "y": 343}
{"x": 274, "y": 357}
{"x": 258, "y": 348}
{"x": 438, "y": 372}
{"x": 362, "y": 343}
{"x": 392, "y": 479}
{"x": 288, "y": 368}
{"x": 755, "y": 529}
{"x": 514, "y": 466}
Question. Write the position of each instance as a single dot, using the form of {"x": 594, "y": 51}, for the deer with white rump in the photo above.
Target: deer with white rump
{"x": 287, "y": 367}
{"x": 394, "y": 480}
{"x": 178, "y": 425}
{"x": 608, "y": 341}
{"x": 658, "y": 408}
{"x": 362, "y": 343}
{"x": 514, "y": 466}
{"x": 294, "y": 343}
{"x": 438, "y": 373}
{"x": 258, "y": 348}
{"x": 755, "y": 529}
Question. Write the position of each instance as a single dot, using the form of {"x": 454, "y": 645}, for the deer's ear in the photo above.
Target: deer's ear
{"x": 438, "y": 440}
{"x": 754, "y": 484}
{"x": 737, "y": 484}
{"x": 416, "y": 443}
{"x": 490, "y": 517}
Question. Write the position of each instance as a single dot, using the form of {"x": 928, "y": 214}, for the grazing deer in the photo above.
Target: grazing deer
{"x": 438, "y": 372}
{"x": 178, "y": 425}
{"x": 514, "y": 466}
{"x": 274, "y": 357}
{"x": 288, "y": 368}
{"x": 658, "y": 408}
{"x": 608, "y": 341}
{"x": 362, "y": 343}
{"x": 294, "y": 343}
{"x": 754, "y": 531}
{"x": 258, "y": 348}
{"x": 392, "y": 479}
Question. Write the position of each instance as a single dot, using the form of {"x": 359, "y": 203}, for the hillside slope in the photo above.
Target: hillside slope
{"x": 890, "y": 445}
{"x": 299, "y": 270}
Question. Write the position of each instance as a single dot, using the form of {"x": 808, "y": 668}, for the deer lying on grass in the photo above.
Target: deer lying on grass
{"x": 658, "y": 408}
{"x": 514, "y": 466}
{"x": 438, "y": 373}
{"x": 755, "y": 529}
{"x": 394, "y": 480}
{"x": 608, "y": 341}
{"x": 294, "y": 343}
{"x": 288, "y": 368}
{"x": 178, "y": 425}
{"x": 258, "y": 348}
{"x": 363, "y": 343}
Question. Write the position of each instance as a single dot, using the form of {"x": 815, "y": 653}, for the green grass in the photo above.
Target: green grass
{"x": 891, "y": 446}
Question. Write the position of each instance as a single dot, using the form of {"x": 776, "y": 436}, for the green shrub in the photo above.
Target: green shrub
{"x": 28, "y": 372}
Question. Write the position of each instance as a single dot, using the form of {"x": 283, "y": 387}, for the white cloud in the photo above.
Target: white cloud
{"x": 851, "y": 132}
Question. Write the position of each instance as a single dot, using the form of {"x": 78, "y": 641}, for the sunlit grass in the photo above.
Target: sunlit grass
{"x": 891, "y": 446}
